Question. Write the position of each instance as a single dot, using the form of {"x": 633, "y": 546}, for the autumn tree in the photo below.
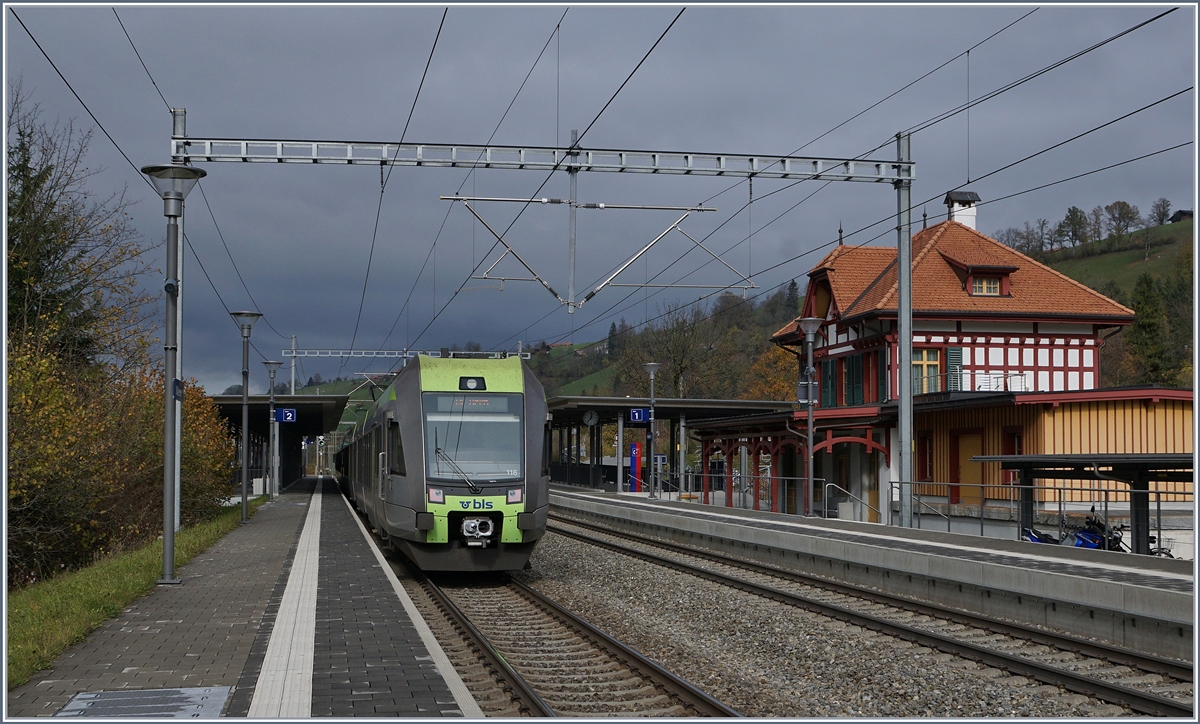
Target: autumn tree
{"x": 85, "y": 396}
{"x": 1121, "y": 217}
{"x": 1160, "y": 212}
{"x": 773, "y": 376}
{"x": 74, "y": 260}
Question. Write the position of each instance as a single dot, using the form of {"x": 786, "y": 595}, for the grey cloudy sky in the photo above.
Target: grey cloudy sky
{"x": 755, "y": 80}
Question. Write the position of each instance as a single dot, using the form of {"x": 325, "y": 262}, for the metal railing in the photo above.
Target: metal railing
{"x": 993, "y": 497}
{"x": 825, "y": 510}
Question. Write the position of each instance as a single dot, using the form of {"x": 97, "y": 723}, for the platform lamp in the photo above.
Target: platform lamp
{"x": 245, "y": 321}
{"x": 273, "y": 489}
{"x": 810, "y": 325}
{"x": 172, "y": 183}
{"x": 651, "y": 368}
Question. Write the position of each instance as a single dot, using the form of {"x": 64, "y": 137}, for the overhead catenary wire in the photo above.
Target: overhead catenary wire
{"x": 470, "y": 175}
{"x": 383, "y": 187}
{"x": 121, "y": 151}
{"x": 552, "y": 171}
{"x": 891, "y": 95}
{"x": 926, "y": 124}
{"x": 199, "y": 185}
{"x": 890, "y": 217}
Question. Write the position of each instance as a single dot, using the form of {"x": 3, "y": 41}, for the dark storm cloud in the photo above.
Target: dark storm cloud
{"x": 725, "y": 79}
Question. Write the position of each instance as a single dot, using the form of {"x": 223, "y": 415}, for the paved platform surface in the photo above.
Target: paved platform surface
{"x": 246, "y": 614}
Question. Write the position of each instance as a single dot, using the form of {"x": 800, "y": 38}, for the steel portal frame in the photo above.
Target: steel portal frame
{"x": 540, "y": 158}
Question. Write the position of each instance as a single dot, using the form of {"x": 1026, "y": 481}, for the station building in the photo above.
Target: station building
{"x": 1006, "y": 361}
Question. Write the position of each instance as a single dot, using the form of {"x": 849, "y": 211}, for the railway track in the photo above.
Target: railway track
{"x": 1145, "y": 684}
{"x": 549, "y": 662}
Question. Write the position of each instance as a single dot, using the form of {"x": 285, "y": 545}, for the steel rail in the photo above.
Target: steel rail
{"x": 1113, "y": 693}
{"x": 520, "y": 689}
{"x": 677, "y": 688}
{"x": 1114, "y": 654}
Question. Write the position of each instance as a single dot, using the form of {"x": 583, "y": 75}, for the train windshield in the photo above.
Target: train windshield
{"x": 474, "y": 437}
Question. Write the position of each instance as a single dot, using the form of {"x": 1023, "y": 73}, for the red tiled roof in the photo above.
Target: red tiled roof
{"x": 863, "y": 281}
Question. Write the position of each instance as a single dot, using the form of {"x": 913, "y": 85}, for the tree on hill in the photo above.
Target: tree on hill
{"x": 1074, "y": 226}
{"x": 773, "y": 376}
{"x": 793, "y": 298}
{"x": 1160, "y": 212}
{"x": 1121, "y": 217}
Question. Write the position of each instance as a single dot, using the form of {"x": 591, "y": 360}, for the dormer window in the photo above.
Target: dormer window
{"x": 986, "y": 286}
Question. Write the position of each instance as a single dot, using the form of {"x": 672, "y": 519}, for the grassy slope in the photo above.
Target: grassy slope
{"x": 585, "y": 385}
{"x": 47, "y": 617}
{"x": 1124, "y": 267}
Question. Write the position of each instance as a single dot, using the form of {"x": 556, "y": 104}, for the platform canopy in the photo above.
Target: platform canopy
{"x": 567, "y": 410}
{"x": 1138, "y": 470}
{"x": 315, "y": 414}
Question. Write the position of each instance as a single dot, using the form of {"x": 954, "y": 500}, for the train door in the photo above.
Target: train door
{"x": 970, "y": 475}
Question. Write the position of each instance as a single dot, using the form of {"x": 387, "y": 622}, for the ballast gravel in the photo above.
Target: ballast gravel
{"x": 764, "y": 658}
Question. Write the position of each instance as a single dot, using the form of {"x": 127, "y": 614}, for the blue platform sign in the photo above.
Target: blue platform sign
{"x": 285, "y": 415}
{"x": 639, "y": 414}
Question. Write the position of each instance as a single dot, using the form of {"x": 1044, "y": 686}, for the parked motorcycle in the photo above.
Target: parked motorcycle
{"x": 1096, "y": 533}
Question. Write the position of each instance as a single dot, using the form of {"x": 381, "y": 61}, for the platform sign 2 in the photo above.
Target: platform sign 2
{"x": 639, "y": 414}
{"x": 283, "y": 414}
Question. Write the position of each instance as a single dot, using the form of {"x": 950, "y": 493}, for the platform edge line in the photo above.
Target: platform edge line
{"x": 462, "y": 696}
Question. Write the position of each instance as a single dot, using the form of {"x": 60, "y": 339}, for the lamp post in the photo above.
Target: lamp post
{"x": 810, "y": 325}
{"x": 245, "y": 320}
{"x": 273, "y": 490}
{"x": 172, "y": 183}
{"x": 651, "y": 368}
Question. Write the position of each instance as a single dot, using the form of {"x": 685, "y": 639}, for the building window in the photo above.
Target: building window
{"x": 883, "y": 376}
{"x": 852, "y": 368}
{"x": 926, "y": 365}
{"x": 924, "y": 457}
{"x": 988, "y": 286}
{"x": 828, "y": 383}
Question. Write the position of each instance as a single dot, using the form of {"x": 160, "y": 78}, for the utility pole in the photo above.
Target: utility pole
{"x": 903, "y": 187}
{"x": 178, "y": 128}
{"x": 293, "y": 364}
{"x": 573, "y": 172}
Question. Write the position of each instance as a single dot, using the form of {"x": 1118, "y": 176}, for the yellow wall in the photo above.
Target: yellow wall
{"x": 1117, "y": 426}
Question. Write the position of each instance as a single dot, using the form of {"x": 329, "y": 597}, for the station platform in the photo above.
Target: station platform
{"x": 295, "y": 614}
{"x": 1142, "y": 602}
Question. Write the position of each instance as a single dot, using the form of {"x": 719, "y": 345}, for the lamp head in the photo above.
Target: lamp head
{"x": 810, "y": 325}
{"x": 271, "y": 366}
{"x": 651, "y": 368}
{"x": 173, "y": 182}
{"x": 245, "y": 320}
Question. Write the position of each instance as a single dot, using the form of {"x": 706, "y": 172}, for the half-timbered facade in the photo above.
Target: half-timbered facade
{"x": 1006, "y": 360}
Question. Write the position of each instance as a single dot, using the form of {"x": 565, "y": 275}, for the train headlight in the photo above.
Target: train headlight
{"x": 515, "y": 495}
{"x": 437, "y": 495}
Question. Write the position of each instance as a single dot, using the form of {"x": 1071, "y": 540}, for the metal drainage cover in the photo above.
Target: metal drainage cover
{"x": 201, "y": 703}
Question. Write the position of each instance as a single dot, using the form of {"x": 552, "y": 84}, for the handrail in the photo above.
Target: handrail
{"x": 852, "y": 495}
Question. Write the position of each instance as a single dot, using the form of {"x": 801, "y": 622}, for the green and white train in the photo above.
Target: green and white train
{"x": 450, "y": 465}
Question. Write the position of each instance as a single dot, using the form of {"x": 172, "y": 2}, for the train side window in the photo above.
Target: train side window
{"x": 396, "y": 452}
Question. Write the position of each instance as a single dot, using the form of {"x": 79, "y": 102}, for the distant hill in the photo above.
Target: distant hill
{"x": 1123, "y": 267}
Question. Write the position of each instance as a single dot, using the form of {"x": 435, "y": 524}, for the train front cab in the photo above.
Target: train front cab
{"x": 492, "y": 522}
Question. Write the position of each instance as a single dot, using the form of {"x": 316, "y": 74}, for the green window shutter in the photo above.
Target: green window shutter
{"x": 883, "y": 375}
{"x": 954, "y": 362}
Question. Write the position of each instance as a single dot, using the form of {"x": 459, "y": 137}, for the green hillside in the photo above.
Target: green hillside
{"x": 598, "y": 383}
{"x": 1125, "y": 266}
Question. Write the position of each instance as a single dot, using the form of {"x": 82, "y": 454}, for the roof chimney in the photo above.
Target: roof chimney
{"x": 961, "y": 207}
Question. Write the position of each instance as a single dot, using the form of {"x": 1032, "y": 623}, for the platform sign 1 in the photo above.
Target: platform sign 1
{"x": 660, "y": 459}
{"x": 639, "y": 414}
{"x": 283, "y": 414}
{"x": 177, "y": 389}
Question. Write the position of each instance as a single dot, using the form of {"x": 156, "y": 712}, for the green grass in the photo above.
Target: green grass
{"x": 1124, "y": 267}
{"x": 45, "y": 618}
{"x": 585, "y": 385}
